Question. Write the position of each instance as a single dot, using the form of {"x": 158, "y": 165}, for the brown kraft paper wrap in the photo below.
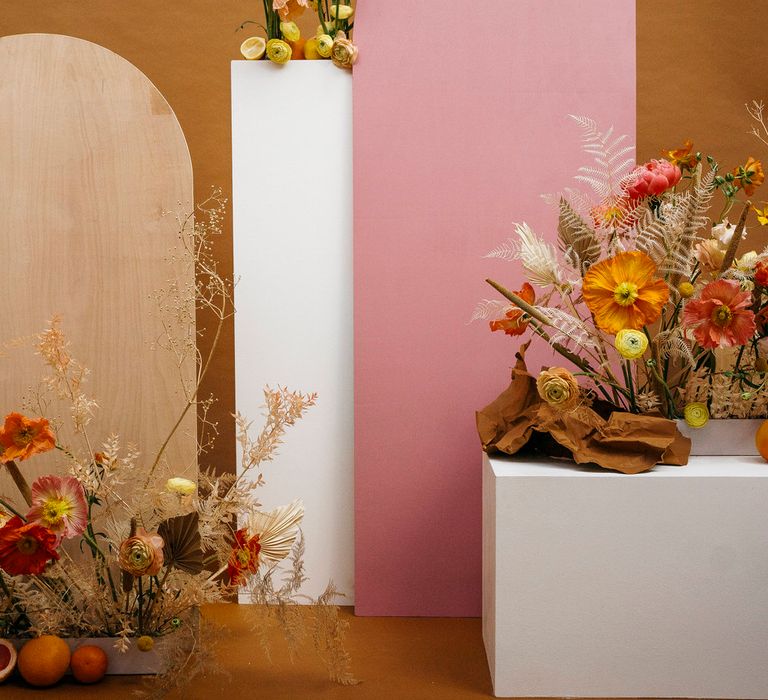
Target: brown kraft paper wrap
{"x": 625, "y": 442}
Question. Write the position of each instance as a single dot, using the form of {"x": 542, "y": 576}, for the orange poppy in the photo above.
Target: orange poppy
{"x": 682, "y": 156}
{"x": 624, "y": 292}
{"x": 749, "y": 176}
{"x": 26, "y": 548}
{"x": 513, "y": 322}
{"x": 22, "y": 437}
{"x": 244, "y": 557}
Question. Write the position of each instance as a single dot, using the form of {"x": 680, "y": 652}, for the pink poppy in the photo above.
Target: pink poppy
{"x": 58, "y": 503}
{"x": 720, "y": 317}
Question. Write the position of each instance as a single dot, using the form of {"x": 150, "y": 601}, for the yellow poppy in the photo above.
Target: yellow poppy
{"x": 624, "y": 292}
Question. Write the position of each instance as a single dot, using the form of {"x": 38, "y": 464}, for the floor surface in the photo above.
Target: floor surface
{"x": 395, "y": 658}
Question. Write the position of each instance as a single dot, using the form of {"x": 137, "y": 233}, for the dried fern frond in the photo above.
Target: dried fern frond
{"x": 611, "y": 156}
{"x": 578, "y": 241}
{"x": 507, "y": 250}
{"x": 673, "y": 344}
{"x": 663, "y": 235}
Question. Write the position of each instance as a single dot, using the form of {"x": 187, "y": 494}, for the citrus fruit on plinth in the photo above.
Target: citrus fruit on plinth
{"x": 253, "y": 48}
{"x": 43, "y": 661}
{"x": 89, "y": 663}
{"x": 7, "y": 659}
{"x": 761, "y": 439}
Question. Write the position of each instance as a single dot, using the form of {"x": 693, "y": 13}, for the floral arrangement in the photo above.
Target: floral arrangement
{"x": 116, "y": 544}
{"x": 646, "y": 295}
{"x": 283, "y": 41}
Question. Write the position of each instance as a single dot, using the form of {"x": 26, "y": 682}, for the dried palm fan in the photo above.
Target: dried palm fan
{"x": 182, "y": 547}
{"x": 277, "y": 530}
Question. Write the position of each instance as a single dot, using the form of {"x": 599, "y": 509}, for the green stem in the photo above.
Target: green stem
{"x": 627, "y": 368}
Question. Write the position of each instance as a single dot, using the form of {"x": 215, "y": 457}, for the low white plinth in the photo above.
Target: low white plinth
{"x": 600, "y": 584}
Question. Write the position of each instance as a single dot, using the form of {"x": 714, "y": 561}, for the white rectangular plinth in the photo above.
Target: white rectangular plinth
{"x": 600, "y": 584}
{"x": 292, "y": 216}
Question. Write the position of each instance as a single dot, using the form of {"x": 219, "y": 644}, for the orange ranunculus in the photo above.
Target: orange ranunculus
{"x": 749, "y": 176}
{"x": 624, "y": 292}
{"x": 22, "y": 437}
{"x": 513, "y": 322}
{"x": 289, "y": 10}
{"x": 682, "y": 156}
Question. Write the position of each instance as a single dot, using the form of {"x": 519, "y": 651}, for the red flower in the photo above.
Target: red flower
{"x": 26, "y": 548}
{"x": 721, "y": 317}
{"x": 244, "y": 557}
{"x": 761, "y": 274}
{"x": 654, "y": 177}
{"x": 22, "y": 437}
{"x": 513, "y": 323}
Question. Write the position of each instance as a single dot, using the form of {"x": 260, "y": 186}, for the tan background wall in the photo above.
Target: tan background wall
{"x": 698, "y": 63}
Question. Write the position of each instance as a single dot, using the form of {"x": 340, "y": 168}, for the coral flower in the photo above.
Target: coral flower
{"x": 244, "y": 557}
{"x": 721, "y": 317}
{"x": 624, "y": 292}
{"x": 22, "y": 437}
{"x": 682, "y": 156}
{"x": 513, "y": 322}
{"x": 749, "y": 176}
{"x": 289, "y": 9}
{"x": 58, "y": 503}
{"x": 26, "y": 548}
{"x": 761, "y": 273}
{"x": 142, "y": 554}
{"x": 653, "y": 178}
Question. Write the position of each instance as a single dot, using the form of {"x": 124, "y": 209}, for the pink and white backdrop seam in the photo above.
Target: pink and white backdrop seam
{"x": 451, "y": 146}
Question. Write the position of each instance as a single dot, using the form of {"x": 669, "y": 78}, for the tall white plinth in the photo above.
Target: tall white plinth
{"x": 292, "y": 208}
{"x": 599, "y": 584}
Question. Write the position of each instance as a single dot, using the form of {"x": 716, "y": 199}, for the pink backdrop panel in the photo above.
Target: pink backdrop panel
{"x": 460, "y": 124}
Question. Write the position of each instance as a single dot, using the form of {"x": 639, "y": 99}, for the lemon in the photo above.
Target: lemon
{"x": 253, "y": 48}
{"x": 310, "y": 50}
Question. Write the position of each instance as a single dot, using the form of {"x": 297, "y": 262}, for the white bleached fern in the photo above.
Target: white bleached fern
{"x": 489, "y": 308}
{"x": 612, "y": 159}
{"x": 538, "y": 258}
{"x": 565, "y": 327}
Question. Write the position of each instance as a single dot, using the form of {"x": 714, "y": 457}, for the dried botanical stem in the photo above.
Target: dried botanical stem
{"x": 20, "y": 481}
{"x": 730, "y": 253}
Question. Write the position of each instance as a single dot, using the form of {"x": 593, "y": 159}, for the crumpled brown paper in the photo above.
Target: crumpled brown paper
{"x": 625, "y": 442}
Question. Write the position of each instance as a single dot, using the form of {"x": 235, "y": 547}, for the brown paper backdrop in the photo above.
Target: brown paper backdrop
{"x": 698, "y": 63}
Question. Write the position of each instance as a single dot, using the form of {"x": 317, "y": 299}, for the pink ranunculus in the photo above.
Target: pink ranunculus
{"x": 653, "y": 178}
{"x": 720, "y": 317}
{"x": 58, "y": 503}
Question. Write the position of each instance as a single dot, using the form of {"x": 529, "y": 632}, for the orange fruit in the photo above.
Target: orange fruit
{"x": 298, "y": 49}
{"x": 43, "y": 661}
{"x": 761, "y": 439}
{"x": 89, "y": 663}
{"x": 7, "y": 659}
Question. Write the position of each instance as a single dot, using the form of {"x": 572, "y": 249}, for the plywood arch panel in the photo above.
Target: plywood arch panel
{"x": 91, "y": 158}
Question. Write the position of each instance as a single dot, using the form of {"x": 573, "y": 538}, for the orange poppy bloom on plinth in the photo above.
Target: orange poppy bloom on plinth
{"x": 624, "y": 292}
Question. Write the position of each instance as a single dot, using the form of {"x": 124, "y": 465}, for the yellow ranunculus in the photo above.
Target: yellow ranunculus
{"x": 279, "y": 51}
{"x": 324, "y": 45}
{"x": 696, "y": 414}
{"x": 344, "y": 11}
{"x": 290, "y": 31}
{"x": 631, "y": 343}
{"x": 180, "y": 485}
